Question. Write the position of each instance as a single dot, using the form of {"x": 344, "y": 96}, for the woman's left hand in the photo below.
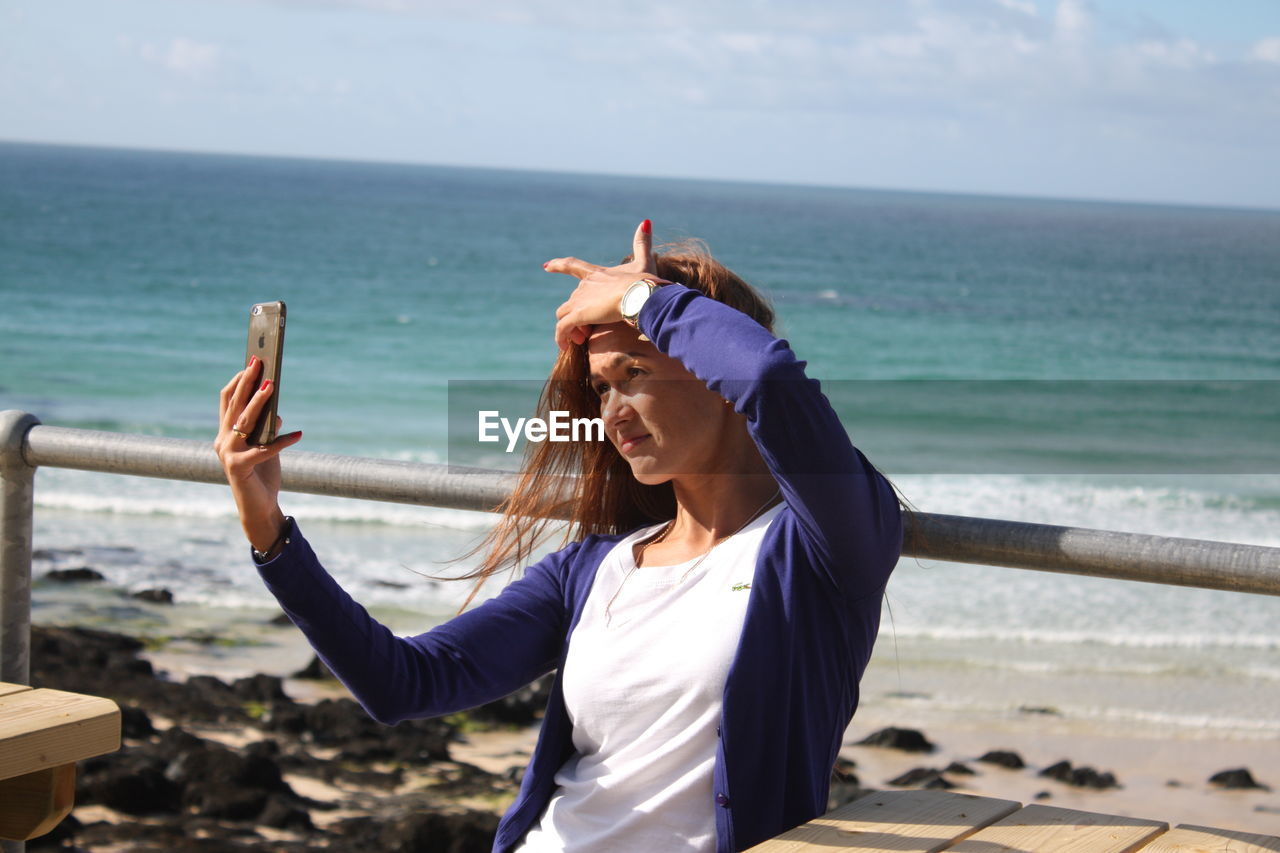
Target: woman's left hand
{"x": 599, "y": 292}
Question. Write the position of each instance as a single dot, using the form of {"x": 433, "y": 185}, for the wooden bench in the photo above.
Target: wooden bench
{"x": 43, "y": 733}
{"x": 931, "y": 821}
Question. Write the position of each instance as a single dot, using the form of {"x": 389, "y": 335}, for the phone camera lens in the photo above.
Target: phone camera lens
{"x": 257, "y": 309}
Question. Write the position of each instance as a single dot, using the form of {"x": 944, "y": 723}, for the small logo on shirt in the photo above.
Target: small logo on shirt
{"x": 739, "y": 587}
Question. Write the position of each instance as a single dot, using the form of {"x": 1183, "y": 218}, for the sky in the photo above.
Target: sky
{"x": 1138, "y": 100}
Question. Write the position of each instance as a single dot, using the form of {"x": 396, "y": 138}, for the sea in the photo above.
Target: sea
{"x": 1101, "y": 365}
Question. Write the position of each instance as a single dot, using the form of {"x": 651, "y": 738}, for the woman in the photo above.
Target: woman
{"x": 708, "y": 661}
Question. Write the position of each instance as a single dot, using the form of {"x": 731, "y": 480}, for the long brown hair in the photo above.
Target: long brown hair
{"x": 588, "y": 482}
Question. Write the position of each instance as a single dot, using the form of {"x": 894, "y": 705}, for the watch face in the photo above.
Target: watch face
{"x": 633, "y": 300}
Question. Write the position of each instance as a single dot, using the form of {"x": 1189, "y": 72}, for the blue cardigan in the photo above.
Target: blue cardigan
{"x": 812, "y": 616}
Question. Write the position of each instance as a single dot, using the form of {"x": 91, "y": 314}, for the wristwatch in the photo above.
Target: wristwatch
{"x": 634, "y": 298}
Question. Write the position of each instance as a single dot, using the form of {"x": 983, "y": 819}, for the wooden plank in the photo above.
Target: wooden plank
{"x": 40, "y": 729}
{"x": 34, "y": 803}
{"x": 1045, "y": 829}
{"x": 922, "y": 821}
{"x": 1203, "y": 839}
{"x": 6, "y": 688}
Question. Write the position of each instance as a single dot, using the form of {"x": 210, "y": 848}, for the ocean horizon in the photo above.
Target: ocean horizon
{"x": 623, "y": 176}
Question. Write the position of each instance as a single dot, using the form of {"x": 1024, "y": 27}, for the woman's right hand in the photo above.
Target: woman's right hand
{"x": 252, "y": 470}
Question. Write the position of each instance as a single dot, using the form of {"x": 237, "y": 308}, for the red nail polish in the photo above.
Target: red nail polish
{"x": 265, "y": 383}
{"x": 646, "y": 227}
{"x": 547, "y": 264}
{"x": 253, "y": 359}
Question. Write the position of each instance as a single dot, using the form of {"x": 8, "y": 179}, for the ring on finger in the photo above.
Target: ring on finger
{"x": 240, "y": 433}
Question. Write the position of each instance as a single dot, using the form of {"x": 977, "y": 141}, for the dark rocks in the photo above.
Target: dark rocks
{"x": 922, "y": 777}
{"x": 155, "y": 596}
{"x": 104, "y": 664}
{"x": 221, "y": 782}
{"x": 1060, "y": 771}
{"x": 132, "y": 781}
{"x": 457, "y": 780}
{"x": 959, "y": 769}
{"x": 192, "y": 835}
{"x": 281, "y": 813}
{"x": 845, "y": 787}
{"x": 461, "y": 831}
{"x": 267, "y": 689}
{"x": 343, "y": 723}
{"x": 314, "y": 671}
{"x": 907, "y": 740}
{"x": 191, "y": 793}
{"x": 49, "y": 554}
{"x": 1004, "y": 758}
{"x": 84, "y": 574}
{"x": 521, "y": 708}
{"x": 1080, "y": 777}
{"x": 1043, "y": 795}
{"x": 1087, "y": 777}
{"x": 135, "y": 723}
{"x": 1034, "y": 709}
{"x": 1237, "y": 779}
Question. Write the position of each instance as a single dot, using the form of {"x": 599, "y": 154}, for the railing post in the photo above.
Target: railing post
{"x": 17, "y": 504}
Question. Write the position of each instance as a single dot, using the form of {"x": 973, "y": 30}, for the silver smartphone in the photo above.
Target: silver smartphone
{"x": 266, "y": 341}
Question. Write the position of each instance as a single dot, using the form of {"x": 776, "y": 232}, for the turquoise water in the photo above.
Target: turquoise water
{"x": 125, "y": 278}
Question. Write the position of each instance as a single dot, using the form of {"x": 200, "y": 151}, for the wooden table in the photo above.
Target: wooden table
{"x": 43, "y": 733}
{"x": 928, "y": 821}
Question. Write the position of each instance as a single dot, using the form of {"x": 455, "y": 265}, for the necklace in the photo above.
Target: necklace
{"x": 608, "y": 615}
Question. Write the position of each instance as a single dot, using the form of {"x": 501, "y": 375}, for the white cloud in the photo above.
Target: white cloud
{"x": 1024, "y": 6}
{"x": 182, "y": 55}
{"x": 1177, "y": 53}
{"x": 1072, "y": 20}
{"x": 1267, "y": 50}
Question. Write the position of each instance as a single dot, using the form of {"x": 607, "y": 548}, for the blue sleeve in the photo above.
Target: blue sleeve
{"x": 476, "y": 657}
{"x": 849, "y": 513}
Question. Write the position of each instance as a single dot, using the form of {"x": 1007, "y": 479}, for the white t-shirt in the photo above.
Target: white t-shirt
{"x": 643, "y": 684}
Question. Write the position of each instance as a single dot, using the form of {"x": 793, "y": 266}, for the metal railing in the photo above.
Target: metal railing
{"x": 25, "y": 445}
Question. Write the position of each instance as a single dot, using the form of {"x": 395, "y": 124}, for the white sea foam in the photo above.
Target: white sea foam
{"x": 135, "y": 496}
{"x": 1213, "y": 721}
{"x": 1188, "y": 509}
{"x": 1242, "y": 509}
{"x": 1047, "y": 636}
